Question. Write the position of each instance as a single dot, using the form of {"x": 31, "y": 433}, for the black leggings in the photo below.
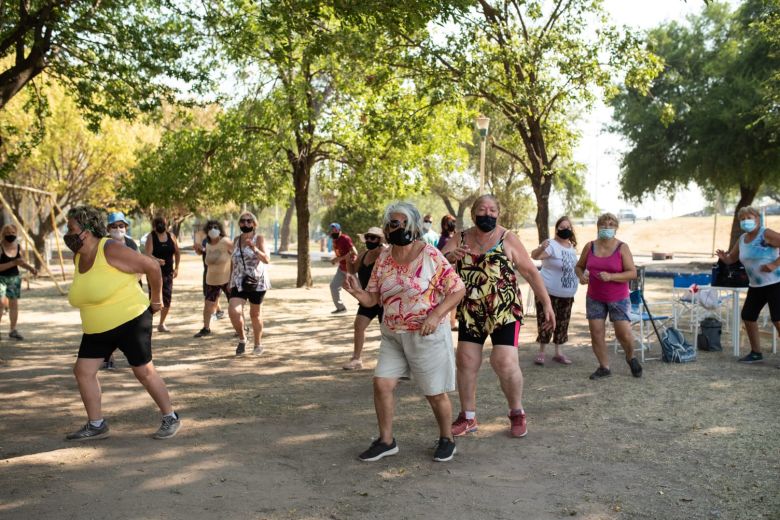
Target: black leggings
{"x": 757, "y": 297}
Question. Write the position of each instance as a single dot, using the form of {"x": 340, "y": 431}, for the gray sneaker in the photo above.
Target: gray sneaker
{"x": 169, "y": 427}
{"x": 89, "y": 433}
{"x": 258, "y": 350}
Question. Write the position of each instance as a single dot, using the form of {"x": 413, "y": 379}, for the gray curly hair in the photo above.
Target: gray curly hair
{"x": 89, "y": 218}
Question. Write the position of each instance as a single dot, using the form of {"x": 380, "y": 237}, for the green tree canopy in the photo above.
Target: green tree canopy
{"x": 702, "y": 120}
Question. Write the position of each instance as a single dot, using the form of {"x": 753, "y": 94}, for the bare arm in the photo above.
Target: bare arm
{"x": 128, "y": 261}
{"x": 522, "y": 262}
{"x": 773, "y": 239}
{"x": 21, "y": 263}
{"x": 730, "y": 257}
{"x": 352, "y": 267}
{"x": 582, "y": 264}
{"x": 260, "y": 251}
{"x": 540, "y": 253}
{"x": 176, "y": 256}
{"x": 453, "y": 251}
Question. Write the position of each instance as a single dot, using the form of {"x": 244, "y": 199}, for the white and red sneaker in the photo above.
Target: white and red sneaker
{"x": 462, "y": 426}
{"x": 518, "y": 426}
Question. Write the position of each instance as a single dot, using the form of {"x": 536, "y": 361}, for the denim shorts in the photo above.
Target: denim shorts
{"x": 618, "y": 311}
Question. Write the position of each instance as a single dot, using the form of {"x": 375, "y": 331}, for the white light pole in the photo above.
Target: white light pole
{"x": 482, "y": 125}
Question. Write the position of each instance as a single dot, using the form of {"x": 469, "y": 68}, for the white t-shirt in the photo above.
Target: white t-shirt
{"x": 558, "y": 270}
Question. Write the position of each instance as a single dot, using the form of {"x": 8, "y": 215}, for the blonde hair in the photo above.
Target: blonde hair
{"x": 607, "y": 217}
{"x": 8, "y": 227}
{"x": 748, "y": 210}
{"x": 248, "y": 214}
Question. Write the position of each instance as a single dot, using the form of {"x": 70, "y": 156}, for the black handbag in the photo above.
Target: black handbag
{"x": 249, "y": 282}
{"x": 729, "y": 275}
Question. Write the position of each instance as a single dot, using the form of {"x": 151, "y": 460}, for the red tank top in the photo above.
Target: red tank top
{"x": 599, "y": 290}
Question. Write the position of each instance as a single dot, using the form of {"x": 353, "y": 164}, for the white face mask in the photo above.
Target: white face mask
{"x": 427, "y": 226}
{"x": 117, "y": 234}
{"x": 213, "y": 233}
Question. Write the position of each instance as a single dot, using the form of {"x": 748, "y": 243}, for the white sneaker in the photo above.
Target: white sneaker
{"x": 163, "y": 328}
{"x": 257, "y": 350}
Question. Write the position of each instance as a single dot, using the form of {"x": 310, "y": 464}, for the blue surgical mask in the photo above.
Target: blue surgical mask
{"x": 606, "y": 233}
{"x": 747, "y": 225}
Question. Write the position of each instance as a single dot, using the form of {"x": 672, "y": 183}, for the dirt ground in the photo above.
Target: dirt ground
{"x": 277, "y": 436}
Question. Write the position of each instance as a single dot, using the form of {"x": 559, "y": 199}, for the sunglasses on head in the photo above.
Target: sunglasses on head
{"x": 395, "y": 224}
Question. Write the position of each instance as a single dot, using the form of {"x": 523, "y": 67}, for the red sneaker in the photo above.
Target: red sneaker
{"x": 462, "y": 426}
{"x": 518, "y": 427}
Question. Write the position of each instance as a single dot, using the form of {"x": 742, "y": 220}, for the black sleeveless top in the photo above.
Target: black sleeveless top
{"x": 364, "y": 272}
{"x": 14, "y": 271}
{"x": 163, "y": 250}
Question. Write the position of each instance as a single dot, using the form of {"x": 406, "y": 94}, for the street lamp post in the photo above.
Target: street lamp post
{"x": 482, "y": 125}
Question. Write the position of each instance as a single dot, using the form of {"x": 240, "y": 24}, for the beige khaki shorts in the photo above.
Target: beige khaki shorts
{"x": 430, "y": 360}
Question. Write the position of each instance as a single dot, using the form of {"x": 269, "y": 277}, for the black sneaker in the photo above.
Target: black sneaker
{"x": 600, "y": 373}
{"x": 636, "y": 368}
{"x": 241, "y": 348}
{"x": 14, "y": 334}
{"x": 753, "y": 357}
{"x": 339, "y": 311}
{"x": 89, "y": 433}
{"x": 202, "y": 332}
{"x": 445, "y": 450}
{"x": 377, "y": 450}
{"x": 169, "y": 427}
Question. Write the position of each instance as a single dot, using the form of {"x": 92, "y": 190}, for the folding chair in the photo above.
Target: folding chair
{"x": 640, "y": 319}
{"x": 684, "y": 304}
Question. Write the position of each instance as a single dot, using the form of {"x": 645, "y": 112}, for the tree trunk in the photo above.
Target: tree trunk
{"x": 542, "y": 184}
{"x": 746, "y": 196}
{"x": 284, "y": 234}
{"x": 301, "y": 176}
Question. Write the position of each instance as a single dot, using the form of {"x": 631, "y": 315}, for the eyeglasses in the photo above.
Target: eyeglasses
{"x": 371, "y": 238}
{"x": 395, "y": 224}
{"x": 245, "y": 220}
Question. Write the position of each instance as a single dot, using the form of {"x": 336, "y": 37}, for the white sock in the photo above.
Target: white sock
{"x": 172, "y": 414}
{"x": 470, "y": 416}
{"x": 96, "y": 424}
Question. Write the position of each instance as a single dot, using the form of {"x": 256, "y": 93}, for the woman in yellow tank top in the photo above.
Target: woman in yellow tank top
{"x": 115, "y": 313}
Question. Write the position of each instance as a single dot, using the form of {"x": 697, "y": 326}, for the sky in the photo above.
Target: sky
{"x": 600, "y": 150}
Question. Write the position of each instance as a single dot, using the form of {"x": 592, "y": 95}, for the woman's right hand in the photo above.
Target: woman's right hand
{"x": 722, "y": 255}
{"x": 351, "y": 284}
{"x": 458, "y": 253}
{"x": 584, "y": 278}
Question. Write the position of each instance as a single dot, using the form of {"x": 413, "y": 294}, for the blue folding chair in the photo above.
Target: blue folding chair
{"x": 640, "y": 320}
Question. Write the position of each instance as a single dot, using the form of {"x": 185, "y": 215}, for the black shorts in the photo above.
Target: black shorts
{"x": 212, "y": 292}
{"x": 501, "y": 335}
{"x": 757, "y": 297}
{"x": 255, "y": 297}
{"x": 371, "y": 312}
{"x": 133, "y": 338}
{"x": 167, "y": 289}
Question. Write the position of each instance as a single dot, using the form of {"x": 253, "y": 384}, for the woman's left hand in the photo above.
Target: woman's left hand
{"x": 430, "y": 324}
{"x": 605, "y": 276}
{"x": 768, "y": 268}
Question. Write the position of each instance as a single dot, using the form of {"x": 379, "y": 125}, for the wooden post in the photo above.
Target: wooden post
{"x": 21, "y": 229}
{"x": 57, "y": 238}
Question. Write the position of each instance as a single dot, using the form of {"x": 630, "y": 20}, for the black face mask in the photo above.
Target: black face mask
{"x": 400, "y": 237}
{"x": 160, "y": 228}
{"x": 334, "y": 236}
{"x": 485, "y": 223}
{"x": 73, "y": 242}
{"x": 565, "y": 234}
{"x": 372, "y": 245}
{"x": 10, "y": 238}
{"x": 246, "y": 229}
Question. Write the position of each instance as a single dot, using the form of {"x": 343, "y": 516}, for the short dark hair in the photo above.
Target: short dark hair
{"x": 211, "y": 223}
{"x": 89, "y": 218}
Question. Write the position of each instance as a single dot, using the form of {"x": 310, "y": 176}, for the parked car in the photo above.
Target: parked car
{"x": 627, "y": 214}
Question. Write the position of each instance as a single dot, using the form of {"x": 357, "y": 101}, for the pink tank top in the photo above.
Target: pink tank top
{"x": 605, "y": 292}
